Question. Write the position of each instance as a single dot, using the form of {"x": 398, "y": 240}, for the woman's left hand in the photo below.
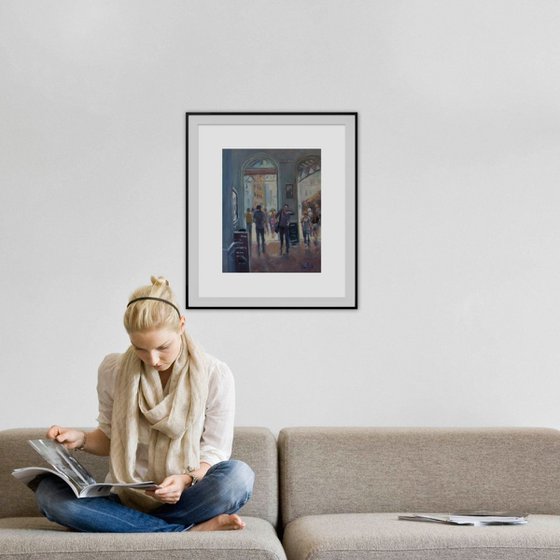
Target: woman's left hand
{"x": 170, "y": 490}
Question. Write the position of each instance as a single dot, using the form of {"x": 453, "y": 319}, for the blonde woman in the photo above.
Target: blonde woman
{"x": 166, "y": 414}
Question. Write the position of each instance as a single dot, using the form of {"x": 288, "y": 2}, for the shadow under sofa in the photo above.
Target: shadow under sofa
{"x": 26, "y": 535}
{"x": 342, "y": 489}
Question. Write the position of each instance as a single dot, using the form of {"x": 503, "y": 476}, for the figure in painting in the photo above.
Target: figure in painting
{"x": 272, "y": 221}
{"x": 259, "y": 219}
{"x": 283, "y": 218}
{"x": 249, "y": 222}
{"x": 306, "y": 227}
{"x": 316, "y": 224}
{"x": 266, "y": 221}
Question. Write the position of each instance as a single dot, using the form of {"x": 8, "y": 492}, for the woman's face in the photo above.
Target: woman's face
{"x": 158, "y": 348}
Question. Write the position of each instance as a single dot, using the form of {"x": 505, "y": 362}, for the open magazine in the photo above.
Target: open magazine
{"x": 477, "y": 519}
{"x": 68, "y": 468}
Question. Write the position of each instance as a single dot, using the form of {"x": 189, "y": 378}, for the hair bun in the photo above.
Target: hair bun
{"x": 159, "y": 281}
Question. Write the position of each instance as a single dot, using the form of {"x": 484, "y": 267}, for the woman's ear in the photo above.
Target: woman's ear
{"x": 182, "y": 322}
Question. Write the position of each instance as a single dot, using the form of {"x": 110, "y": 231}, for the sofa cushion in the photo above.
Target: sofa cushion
{"x": 38, "y": 539}
{"x": 382, "y": 536}
{"x": 361, "y": 470}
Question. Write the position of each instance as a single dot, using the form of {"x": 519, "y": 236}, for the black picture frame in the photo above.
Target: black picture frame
{"x": 221, "y": 258}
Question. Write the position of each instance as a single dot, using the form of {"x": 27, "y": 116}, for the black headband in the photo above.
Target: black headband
{"x": 155, "y": 299}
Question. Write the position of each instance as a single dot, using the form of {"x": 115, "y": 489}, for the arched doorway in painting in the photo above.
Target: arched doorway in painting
{"x": 260, "y": 180}
{"x": 260, "y": 184}
{"x": 309, "y": 193}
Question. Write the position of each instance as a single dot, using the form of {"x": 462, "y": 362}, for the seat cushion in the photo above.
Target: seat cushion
{"x": 383, "y": 536}
{"x": 38, "y": 539}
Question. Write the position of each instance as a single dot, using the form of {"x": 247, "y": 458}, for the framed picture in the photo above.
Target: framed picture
{"x": 272, "y": 210}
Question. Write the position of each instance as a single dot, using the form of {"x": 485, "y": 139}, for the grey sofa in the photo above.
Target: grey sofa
{"x": 25, "y": 535}
{"x": 342, "y": 490}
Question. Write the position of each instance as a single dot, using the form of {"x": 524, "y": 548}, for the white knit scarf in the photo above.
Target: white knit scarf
{"x": 174, "y": 419}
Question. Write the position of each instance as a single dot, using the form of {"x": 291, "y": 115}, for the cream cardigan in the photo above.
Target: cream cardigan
{"x": 217, "y": 437}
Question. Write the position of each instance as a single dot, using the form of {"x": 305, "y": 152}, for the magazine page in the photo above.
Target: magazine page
{"x": 428, "y": 518}
{"x": 104, "y": 488}
{"x": 63, "y": 462}
{"x": 489, "y": 518}
{"x": 28, "y": 474}
{"x": 476, "y": 519}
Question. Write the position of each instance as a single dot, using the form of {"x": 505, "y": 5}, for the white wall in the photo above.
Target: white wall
{"x": 459, "y": 108}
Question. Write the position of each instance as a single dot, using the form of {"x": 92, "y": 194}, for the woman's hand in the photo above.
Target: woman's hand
{"x": 70, "y": 438}
{"x": 170, "y": 490}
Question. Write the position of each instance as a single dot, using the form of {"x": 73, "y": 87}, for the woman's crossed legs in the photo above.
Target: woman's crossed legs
{"x": 210, "y": 505}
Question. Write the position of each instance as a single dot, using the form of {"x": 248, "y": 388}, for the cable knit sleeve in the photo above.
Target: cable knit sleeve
{"x": 105, "y": 388}
{"x": 217, "y": 436}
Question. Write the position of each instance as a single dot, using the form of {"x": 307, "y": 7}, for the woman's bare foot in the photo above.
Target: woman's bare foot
{"x": 222, "y": 522}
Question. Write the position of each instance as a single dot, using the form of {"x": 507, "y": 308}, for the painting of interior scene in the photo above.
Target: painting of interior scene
{"x": 271, "y": 210}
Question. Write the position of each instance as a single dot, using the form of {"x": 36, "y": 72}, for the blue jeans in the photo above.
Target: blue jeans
{"x": 226, "y": 487}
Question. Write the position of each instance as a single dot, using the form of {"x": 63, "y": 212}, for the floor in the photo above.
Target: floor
{"x": 300, "y": 258}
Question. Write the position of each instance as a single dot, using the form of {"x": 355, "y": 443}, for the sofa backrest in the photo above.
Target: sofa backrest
{"x": 256, "y": 446}
{"x": 360, "y": 470}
